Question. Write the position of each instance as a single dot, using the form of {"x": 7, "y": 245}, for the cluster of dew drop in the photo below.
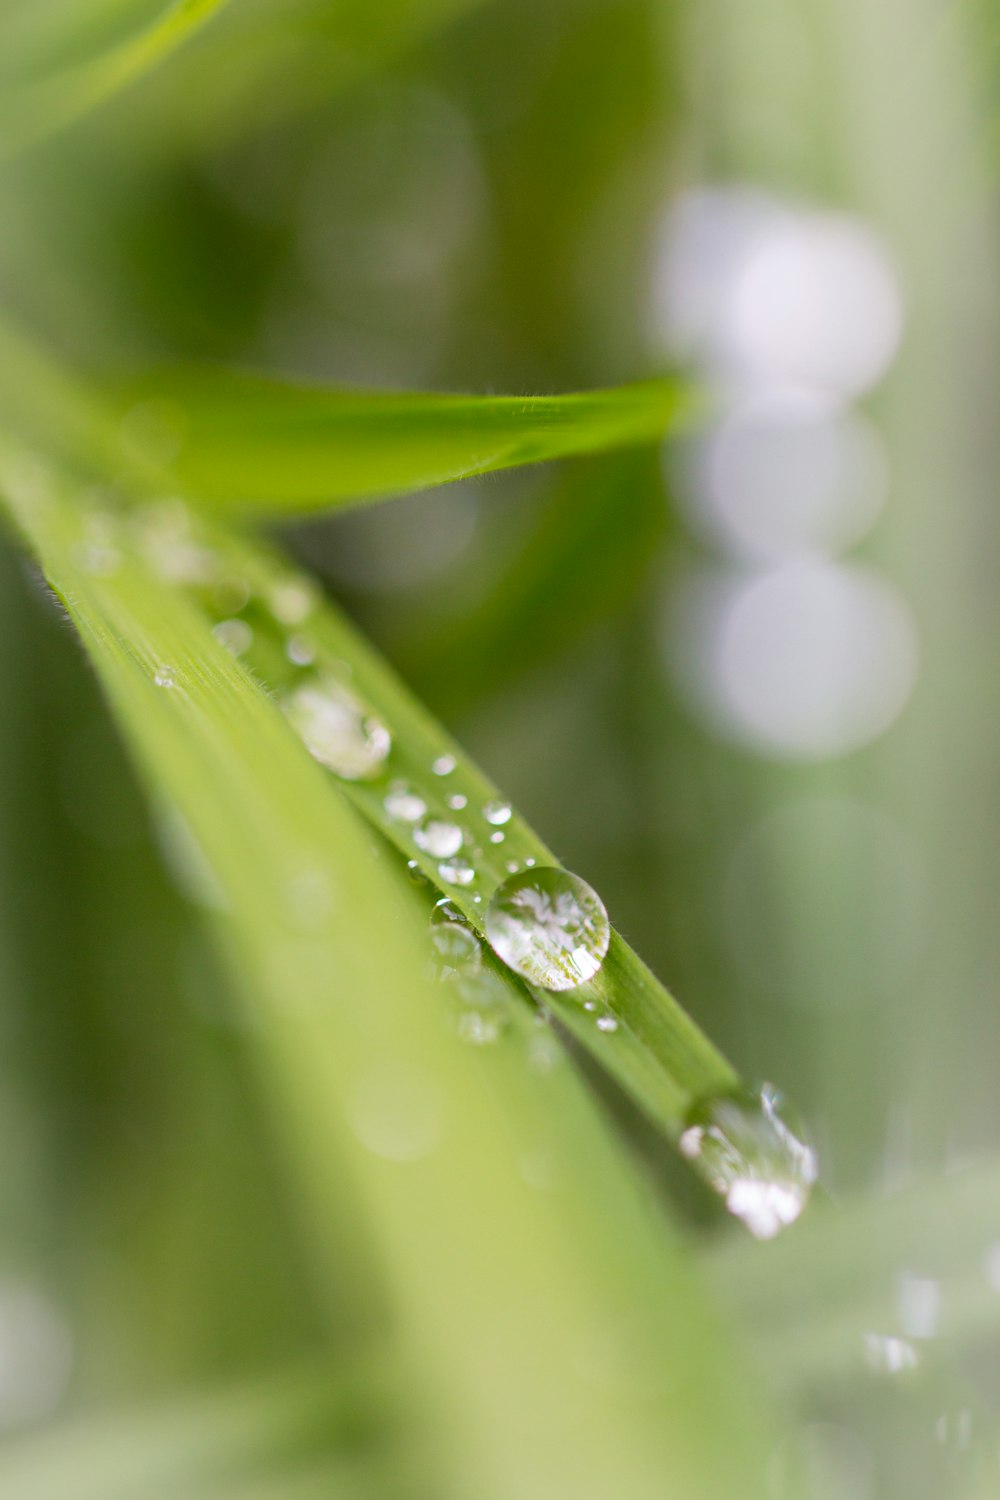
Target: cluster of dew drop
{"x": 759, "y": 1164}
{"x": 544, "y": 923}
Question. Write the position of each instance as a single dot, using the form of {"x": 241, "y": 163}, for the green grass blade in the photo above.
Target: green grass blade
{"x": 560, "y": 1339}
{"x": 657, "y": 1054}
{"x": 248, "y": 444}
{"x": 41, "y": 105}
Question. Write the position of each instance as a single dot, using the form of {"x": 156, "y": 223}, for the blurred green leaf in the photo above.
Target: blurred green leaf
{"x": 48, "y": 100}
{"x": 247, "y": 444}
{"x": 560, "y": 1341}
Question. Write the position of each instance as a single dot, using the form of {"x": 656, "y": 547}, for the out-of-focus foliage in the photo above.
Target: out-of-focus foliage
{"x": 208, "y": 1285}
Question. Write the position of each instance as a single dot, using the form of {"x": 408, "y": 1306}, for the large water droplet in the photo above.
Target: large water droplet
{"x": 549, "y": 927}
{"x": 438, "y": 838}
{"x": 336, "y": 730}
{"x": 752, "y": 1158}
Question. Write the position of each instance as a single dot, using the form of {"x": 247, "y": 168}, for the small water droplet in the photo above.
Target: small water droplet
{"x": 750, "y": 1155}
{"x": 167, "y": 539}
{"x": 457, "y": 871}
{"x": 607, "y": 1023}
{"x": 415, "y": 873}
{"x": 445, "y": 910}
{"x": 300, "y": 651}
{"x": 456, "y": 945}
{"x": 529, "y": 861}
{"x": 498, "y": 837}
{"x": 457, "y": 801}
{"x": 438, "y": 838}
{"x": 235, "y": 635}
{"x": 512, "y": 866}
{"x": 477, "y": 899}
{"x": 444, "y": 765}
{"x": 292, "y": 600}
{"x": 549, "y": 927}
{"x": 165, "y": 677}
{"x": 230, "y": 594}
{"x": 497, "y": 812}
{"x": 98, "y": 552}
{"x": 336, "y": 730}
{"x": 486, "y": 1000}
{"x": 402, "y": 802}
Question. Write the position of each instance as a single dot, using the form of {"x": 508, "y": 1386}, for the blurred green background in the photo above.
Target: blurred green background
{"x": 492, "y": 197}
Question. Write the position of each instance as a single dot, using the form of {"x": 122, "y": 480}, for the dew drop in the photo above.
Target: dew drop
{"x": 438, "y": 838}
{"x": 457, "y": 871}
{"x": 607, "y": 1023}
{"x": 165, "y": 677}
{"x": 549, "y": 927}
{"x": 512, "y": 866}
{"x": 487, "y": 1006}
{"x": 457, "y": 801}
{"x": 336, "y": 730}
{"x": 445, "y": 910}
{"x": 497, "y": 813}
{"x": 300, "y": 651}
{"x": 415, "y": 873}
{"x": 402, "y": 802}
{"x": 444, "y": 765}
{"x": 456, "y": 945}
{"x": 748, "y": 1153}
{"x": 498, "y": 837}
{"x": 292, "y": 600}
{"x": 235, "y": 635}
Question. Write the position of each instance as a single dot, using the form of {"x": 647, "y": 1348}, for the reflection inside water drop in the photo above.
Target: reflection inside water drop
{"x": 549, "y": 927}
{"x": 748, "y": 1153}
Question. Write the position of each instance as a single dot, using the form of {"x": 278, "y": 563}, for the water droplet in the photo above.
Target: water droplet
{"x": 300, "y": 651}
{"x": 165, "y": 677}
{"x": 438, "y": 838}
{"x": 512, "y": 866}
{"x": 98, "y": 551}
{"x": 607, "y": 1023}
{"x": 445, "y": 910}
{"x": 235, "y": 635}
{"x": 457, "y": 801}
{"x": 457, "y": 945}
{"x": 166, "y": 538}
{"x": 292, "y": 600}
{"x": 230, "y": 595}
{"x": 457, "y": 872}
{"x": 336, "y": 730}
{"x": 402, "y": 802}
{"x": 477, "y": 899}
{"x": 549, "y": 927}
{"x": 498, "y": 837}
{"x": 444, "y": 765}
{"x": 752, "y": 1158}
{"x": 497, "y": 812}
{"x": 415, "y": 873}
{"x": 486, "y": 1000}
{"x": 529, "y": 861}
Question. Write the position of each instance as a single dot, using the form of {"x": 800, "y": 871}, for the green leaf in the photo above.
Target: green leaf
{"x": 248, "y": 444}
{"x": 560, "y": 1341}
{"x": 54, "y": 97}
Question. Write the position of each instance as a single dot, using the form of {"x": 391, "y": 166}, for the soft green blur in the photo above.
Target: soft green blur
{"x": 459, "y": 196}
